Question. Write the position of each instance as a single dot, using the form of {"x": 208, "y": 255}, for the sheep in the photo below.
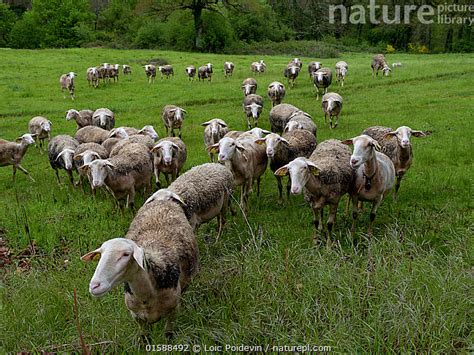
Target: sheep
{"x": 166, "y": 70}
{"x": 255, "y": 132}
{"x": 190, "y": 72}
{"x": 144, "y": 140}
{"x": 297, "y": 62}
{"x": 228, "y": 69}
{"x": 374, "y": 176}
{"x": 84, "y": 154}
{"x": 83, "y": 118}
{"x": 11, "y": 153}
{"x": 276, "y": 92}
{"x": 169, "y": 156}
{"x": 280, "y": 115}
{"x": 150, "y": 72}
{"x": 322, "y": 79}
{"x": 113, "y": 72}
{"x": 155, "y": 261}
{"x": 397, "y": 65}
{"x": 110, "y": 143}
{"x": 40, "y": 127}
{"x": 341, "y": 71}
{"x": 92, "y": 76}
{"x": 313, "y": 67}
{"x": 61, "y": 155}
{"x": 126, "y": 69}
{"x": 214, "y": 131}
{"x": 300, "y": 120}
{"x": 125, "y": 132}
{"x": 247, "y": 161}
{"x": 67, "y": 83}
{"x": 205, "y": 72}
{"x": 103, "y": 118}
{"x": 123, "y": 173}
{"x": 332, "y": 106}
{"x": 173, "y": 117}
{"x": 396, "y": 145}
{"x": 379, "y": 63}
{"x": 249, "y": 86}
{"x": 91, "y": 134}
{"x": 253, "y": 106}
{"x": 258, "y": 67}
{"x": 291, "y": 73}
{"x": 281, "y": 150}
{"x": 326, "y": 176}
{"x": 103, "y": 73}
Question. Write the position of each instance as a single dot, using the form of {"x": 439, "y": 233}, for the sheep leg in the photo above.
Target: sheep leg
{"x": 258, "y": 186}
{"x": 316, "y": 217}
{"x": 211, "y": 155}
{"x": 355, "y": 212}
{"x": 167, "y": 178}
{"x": 397, "y": 186}
{"x": 131, "y": 198}
{"x": 71, "y": 177}
{"x": 23, "y": 170}
{"x": 332, "y": 218}
{"x": 248, "y": 123}
{"x": 373, "y": 213}
{"x": 169, "y": 324}
{"x": 57, "y": 176}
{"x": 280, "y": 189}
{"x": 221, "y": 220}
{"x": 179, "y": 132}
{"x": 157, "y": 176}
{"x": 337, "y": 121}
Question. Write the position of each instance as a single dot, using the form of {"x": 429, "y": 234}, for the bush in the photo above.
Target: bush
{"x": 390, "y": 49}
{"x": 7, "y": 21}
{"x": 149, "y": 35}
{"x": 26, "y": 33}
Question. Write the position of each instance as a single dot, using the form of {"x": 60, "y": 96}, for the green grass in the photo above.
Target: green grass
{"x": 409, "y": 289}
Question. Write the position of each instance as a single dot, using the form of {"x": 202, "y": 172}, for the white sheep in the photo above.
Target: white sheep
{"x": 173, "y": 117}
{"x": 83, "y": 118}
{"x": 228, "y": 69}
{"x": 67, "y": 83}
{"x": 11, "y": 153}
{"x": 169, "y": 156}
{"x": 253, "y": 106}
{"x": 276, "y": 92}
{"x": 103, "y": 118}
{"x": 61, "y": 155}
{"x": 249, "y": 86}
{"x": 40, "y": 128}
{"x": 341, "y": 71}
{"x": 332, "y": 106}
{"x": 150, "y": 71}
{"x": 214, "y": 131}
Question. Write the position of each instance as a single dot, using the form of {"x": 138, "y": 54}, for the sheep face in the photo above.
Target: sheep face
{"x": 118, "y": 133}
{"x": 300, "y": 171}
{"x": 165, "y": 195}
{"x": 292, "y": 126}
{"x": 149, "y": 131}
{"x": 403, "y": 135}
{"x": 46, "y": 126}
{"x": 364, "y": 149}
{"x": 179, "y": 114}
{"x": 119, "y": 259}
{"x": 343, "y": 71}
{"x": 255, "y": 109}
{"x": 27, "y": 138}
{"x": 216, "y": 127}
{"x": 386, "y": 70}
{"x": 273, "y": 142}
{"x": 66, "y": 159}
{"x": 165, "y": 150}
{"x": 225, "y": 148}
{"x": 86, "y": 157}
{"x": 72, "y": 114}
{"x": 247, "y": 88}
{"x": 258, "y": 132}
{"x": 99, "y": 169}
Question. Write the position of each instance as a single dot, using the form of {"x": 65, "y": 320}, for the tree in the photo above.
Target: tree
{"x": 7, "y": 20}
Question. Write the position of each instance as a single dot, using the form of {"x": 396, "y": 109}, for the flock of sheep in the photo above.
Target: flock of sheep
{"x": 159, "y": 254}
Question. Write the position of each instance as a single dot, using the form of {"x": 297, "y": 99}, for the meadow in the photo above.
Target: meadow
{"x": 265, "y": 282}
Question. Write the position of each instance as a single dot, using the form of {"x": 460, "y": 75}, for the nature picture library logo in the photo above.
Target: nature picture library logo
{"x": 461, "y": 14}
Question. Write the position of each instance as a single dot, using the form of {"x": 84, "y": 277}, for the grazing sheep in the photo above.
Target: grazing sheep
{"x": 214, "y": 131}
{"x": 322, "y": 79}
{"x": 280, "y": 115}
{"x": 205, "y": 191}
{"x": 84, "y": 154}
{"x": 252, "y": 133}
{"x": 341, "y": 71}
{"x": 166, "y": 70}
{"x": 300, "y": 120}
{"x": 155, "y": 261}
{"x": 228, "y": 69}
{"x": 11, "y": 153}
{"x": 124, "y": 173}
{"x": 249, "y": 86}
{"x": 253, "y": 106}
{"x": 276, "y": 93}
{"x": 326, "y": 176}
{"x": 83, "y": 118}
{"x": 93, "y": 134}
{"x": 374, "y": 176}
{"x": 103, "y": 118}
{"x": 150, "y": 71}
{"x": 247, "y": 161}
{"x": 127, "y": 70}
{"x": 40, "y": 128}
{"x": 282, "y": 150}
{"x": 205, "y": 72}
{"x": 67, "y": 83}
{"x": 92, "y": 76}
{"x": 397, "y": 146}
{"x": 313, "y": 67}
{"x": 379, "y": 63}
{"x": 191, "y": 72}
{"x": 258, "y": 67}
{"x": 61, "y": 155}
{"x": 173, "y": 117}
{"x": 146, "y": 141}
{"x": 397, "y": 65}
{"x": 291, "y": 73}
{"x": 332, "y": 106}
{"x": 169, "y": 156}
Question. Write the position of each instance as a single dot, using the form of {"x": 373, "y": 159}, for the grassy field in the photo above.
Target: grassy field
{"x": 408, "y": 289}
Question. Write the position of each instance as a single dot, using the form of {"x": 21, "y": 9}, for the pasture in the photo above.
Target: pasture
{"x": 265, "y": 281}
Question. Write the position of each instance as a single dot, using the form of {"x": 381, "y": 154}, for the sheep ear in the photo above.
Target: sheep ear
{"x": 174, "y": 145}
{"x": 78, "y": 157}
{"x": 207, "y": 123}
{"x": 260, "y": 141}
{"x": 313, "y": 168}
{"x": 223, "y": 124}
{"x": 213, "y": 148}
{"x": 284, "y": 140}
{"x": 51, "y": 123}
{"x": 109, "y": 164}
{"x": 389, "y": 134}
{"x": 348, "y": 142}
{"x": 282, "y": 171}
{"x": 420, "y": 133}
{"x": 184, "y": 111}
{"x": 377, "y": 145}
{"x": 156, "y": 147}
{"x": 91, "y": 255}
{"x": 138, "y": 255}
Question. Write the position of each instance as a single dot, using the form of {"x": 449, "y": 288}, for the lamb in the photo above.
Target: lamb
{"x": 150, "y": 71}
{"x": 155, "y": 261}
{"x": 11, "y": 153}
{"x": 249, "y": 86}
{"x": 332, "y": 106}
{"x": 280, "y": 115}
{"x": 313, "y": 67}
{"x": 228, "y": 69}
{"x": 40, "y": 128}
{"x": 374, "y": 176}
{"x": 169, "y": 156}
{"x": 379, "y": 63}
{"x": 341, "y": 71}
{"x": 276, "y": 92}
{"x": 103, "y": 118}
{"x": 396, "y": 145}
{"x": 300, "y": 120}
{"x": 124, "y": 173}
{"x": 84, "y": 154}
{"x": 247, "y": 161}
{"x": 83, "y": 118}
{"x": 205, "y": 191}
{"x": 253, "y": 106}
{"x": 173, "y": 117}
{"x": 126, "y": 69}
{"x": 205, "y": 72}
{"x": 67, "y": 83}
{"x": 258, "y": 67}
{"x": 291, "y": 73}
{"x": 61, "y": 155}
{"x": 214, "y": 131}
{"x": 282, "y": 150}
{"x": 145, "y": 141}
{"x": 166, "y": 70}
{"x": 190, "y": 72}
{"x": 92, "y": 76}
{"x": 93, "y": 134}
{"x": 326, "y": 176}
{"x": 322, "y": 79}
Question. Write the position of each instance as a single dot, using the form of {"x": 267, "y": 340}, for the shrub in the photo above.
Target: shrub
{"x": 7, "y": 21}
{"x": 390, "y": 49}
{"x": 26, "y": 33}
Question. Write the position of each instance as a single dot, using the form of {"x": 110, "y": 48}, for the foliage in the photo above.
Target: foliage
{"x": 26, "y": 33}
{"x": 7, "y": 21}
{"x": 390, "y": 49}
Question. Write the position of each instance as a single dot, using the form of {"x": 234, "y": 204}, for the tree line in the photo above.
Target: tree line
{"x": 232, "y": 25}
